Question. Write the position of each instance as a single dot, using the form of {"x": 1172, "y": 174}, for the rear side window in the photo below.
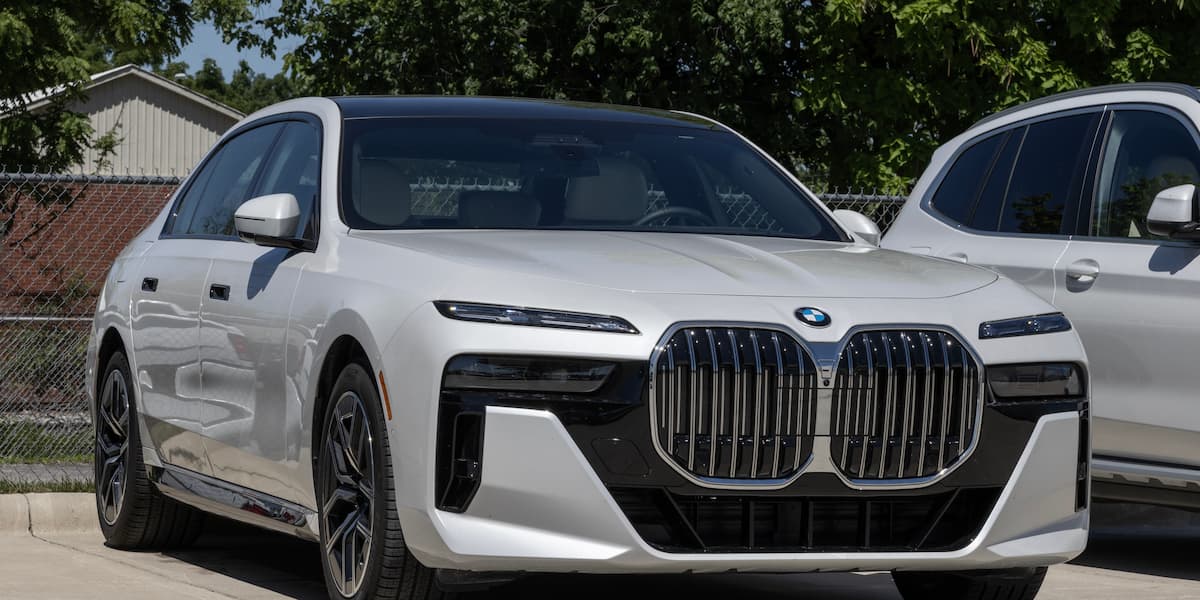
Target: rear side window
{"x": 955, "y": 198}
{"x": 1047, "y": 176}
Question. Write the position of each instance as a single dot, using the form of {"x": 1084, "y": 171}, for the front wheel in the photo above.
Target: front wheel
{"x": 363, "y": 553}
{"x": 1010, "y": 584}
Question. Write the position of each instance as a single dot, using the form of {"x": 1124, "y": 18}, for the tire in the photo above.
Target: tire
{"x": 133, "y": 514}
{"x": 356, "y": 491}
{"x": 1008, "y": 584}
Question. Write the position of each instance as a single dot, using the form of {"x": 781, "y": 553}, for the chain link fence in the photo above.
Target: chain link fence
{"x": 60, "y": 233}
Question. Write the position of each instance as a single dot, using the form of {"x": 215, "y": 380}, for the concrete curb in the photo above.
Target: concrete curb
{"x": 37, "y": 514}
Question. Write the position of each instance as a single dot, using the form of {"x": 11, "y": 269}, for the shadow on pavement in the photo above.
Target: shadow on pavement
{"x": 1143, "y": 539}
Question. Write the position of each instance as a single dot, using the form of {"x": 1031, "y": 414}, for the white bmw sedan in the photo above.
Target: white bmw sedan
{"x": 453, "y": 339}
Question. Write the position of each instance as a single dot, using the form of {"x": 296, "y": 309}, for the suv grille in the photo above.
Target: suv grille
{"x": 905, "y": 404}
{"x": 735, "y": 403}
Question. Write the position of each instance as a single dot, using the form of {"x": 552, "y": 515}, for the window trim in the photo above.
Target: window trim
{"x": 926, "y": 203}
{"x": 1084, "y": 226}
{"x": 302, "y": 117}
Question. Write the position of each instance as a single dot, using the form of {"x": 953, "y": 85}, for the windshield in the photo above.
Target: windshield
{"x": 450, "y": 173}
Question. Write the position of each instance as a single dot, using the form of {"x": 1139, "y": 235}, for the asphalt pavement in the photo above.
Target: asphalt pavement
{"x": 1133, "y": 554}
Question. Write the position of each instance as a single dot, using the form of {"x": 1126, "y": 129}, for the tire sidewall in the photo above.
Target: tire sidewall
{"x": 357, "y": 378}
{"x": 132, "y": 457}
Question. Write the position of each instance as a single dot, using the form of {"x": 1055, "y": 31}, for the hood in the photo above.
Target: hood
{"x": 687, "y": 263}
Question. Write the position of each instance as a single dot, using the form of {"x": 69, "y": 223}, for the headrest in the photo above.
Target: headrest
{"x": 617, "y": 194}
{"x": 382, "y": 195}
{"x": 493, "y": 209}
{"x": 1172, "y": 165}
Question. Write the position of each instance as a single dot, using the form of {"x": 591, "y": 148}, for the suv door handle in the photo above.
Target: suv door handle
{"x": 1084, "y": 270}
{"x": 150, "y": 284}
{"x": 218, "y": 291}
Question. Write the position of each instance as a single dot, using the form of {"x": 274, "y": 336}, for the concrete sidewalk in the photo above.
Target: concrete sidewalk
{"x": 65, "y": 559}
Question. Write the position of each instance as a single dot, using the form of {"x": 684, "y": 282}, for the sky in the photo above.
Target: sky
{"x": 206, "y": 43}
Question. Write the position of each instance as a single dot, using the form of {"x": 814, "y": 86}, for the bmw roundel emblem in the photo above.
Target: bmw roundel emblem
{"x": 814, "y": 317}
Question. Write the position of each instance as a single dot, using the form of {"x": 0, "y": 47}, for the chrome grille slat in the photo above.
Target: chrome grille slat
{"x": 916, "y": 402}
{"x": 752, "y": 390}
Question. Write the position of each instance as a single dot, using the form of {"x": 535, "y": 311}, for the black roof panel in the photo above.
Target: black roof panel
{"x": 358, "y": 107}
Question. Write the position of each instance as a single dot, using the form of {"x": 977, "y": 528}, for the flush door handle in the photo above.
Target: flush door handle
{"x": 150, "y": 284}
{"x": 218, "y": 291}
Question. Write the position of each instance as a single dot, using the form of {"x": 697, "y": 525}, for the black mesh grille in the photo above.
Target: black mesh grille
{"x": 905, "y": 404}
{"x": 735, "y": 403}
{"x": 861, "y": 523}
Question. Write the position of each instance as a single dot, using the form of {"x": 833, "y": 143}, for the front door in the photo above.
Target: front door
{"x": 1133, "y": 297}
{"x": 253, "y": 417}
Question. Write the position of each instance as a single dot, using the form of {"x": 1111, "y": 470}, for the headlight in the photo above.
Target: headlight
{"x": 526, "y": 374}
{"x": 534, "y": 317}
{"x": 1048, "y": 323}
{"x": 1049, "y": 380}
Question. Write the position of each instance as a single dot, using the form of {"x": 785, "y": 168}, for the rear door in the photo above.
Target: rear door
{"x": 1133, "y": 296}
{"x": 253, "y": 416}
{"x": 1014, "y": 196}
{"x": 166, "y": 309}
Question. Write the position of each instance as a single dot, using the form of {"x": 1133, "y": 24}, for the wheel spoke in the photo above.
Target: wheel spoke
{"x": 112, "y": 444}
{"x": 348, "y": 493}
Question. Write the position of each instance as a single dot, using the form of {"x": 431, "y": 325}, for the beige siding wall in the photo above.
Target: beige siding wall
{"x": 162, "y": 133}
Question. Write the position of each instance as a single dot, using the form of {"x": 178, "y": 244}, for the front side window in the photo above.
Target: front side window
{"x": 223, "y": 184}
{"x": 462, "y": 173}
{"x": 1145, "y": 153}
{"x": 293, "y": 168}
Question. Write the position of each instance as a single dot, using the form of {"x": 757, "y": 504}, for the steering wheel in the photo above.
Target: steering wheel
{"x": 673, "y": 211}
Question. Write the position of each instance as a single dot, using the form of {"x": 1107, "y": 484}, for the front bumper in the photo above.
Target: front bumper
{"x": 542, "y": 507}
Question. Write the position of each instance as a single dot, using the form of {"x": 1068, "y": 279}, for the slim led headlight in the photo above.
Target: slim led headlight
{"x": 532, "y": 317}
{"x": 526, "y": 374}
{"x": 1038, "y": 380}
{"x": 1034, "y": 325}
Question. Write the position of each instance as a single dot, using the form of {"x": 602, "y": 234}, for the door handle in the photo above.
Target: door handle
{"x": 218, "y": 291}
{"x": 958, "y": 256}
{"x": 1084, "y": 270}
{"x": 150, "y": 284}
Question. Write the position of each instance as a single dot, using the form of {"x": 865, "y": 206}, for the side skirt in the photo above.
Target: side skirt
{"x": 1145, "y": 483}
{"x": 235, "y": 502}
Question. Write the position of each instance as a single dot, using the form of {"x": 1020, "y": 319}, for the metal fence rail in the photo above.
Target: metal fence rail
{"x": 58, "y": 236}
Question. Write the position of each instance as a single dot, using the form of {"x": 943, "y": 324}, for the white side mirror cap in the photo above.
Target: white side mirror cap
{"x": 859, "y": 224}
{"x": 1173, "y": 213}
{"x": 267, "y": 219}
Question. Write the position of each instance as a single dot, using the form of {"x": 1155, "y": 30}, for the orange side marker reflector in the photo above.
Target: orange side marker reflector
{"x": 387, "y": 402}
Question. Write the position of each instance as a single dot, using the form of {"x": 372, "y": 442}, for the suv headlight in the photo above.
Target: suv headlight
{"x": 1034, "y": 325}
{"x": 526, "y": 374}
{"x": 1040, "y": 381}
{"x": 532, "y": 317}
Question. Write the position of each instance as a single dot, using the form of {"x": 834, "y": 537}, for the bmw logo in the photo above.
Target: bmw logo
{"x": 814, "y": 317}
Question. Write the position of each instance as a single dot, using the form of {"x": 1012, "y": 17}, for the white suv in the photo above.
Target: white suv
{"x": 1089, "y": 199}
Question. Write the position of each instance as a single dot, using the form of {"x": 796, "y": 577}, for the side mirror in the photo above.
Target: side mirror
{"x": 1173, "y": 214}
{"x": 270, "y": 220}
{"x": 859, "y": 224}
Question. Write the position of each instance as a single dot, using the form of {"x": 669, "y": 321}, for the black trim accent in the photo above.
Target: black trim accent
{"x": 857, "y": 522}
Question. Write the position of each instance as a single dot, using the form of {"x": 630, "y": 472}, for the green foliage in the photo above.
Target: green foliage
{"x": 246, "y": 91}
{"x": 862, "y": 89}
{"x": 57, "y": 44}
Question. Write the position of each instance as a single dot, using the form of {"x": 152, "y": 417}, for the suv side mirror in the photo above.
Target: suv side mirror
{"x": 1173, "y": 213}
{"x": 859, "y": 224}
{"x": 270, "y": 220}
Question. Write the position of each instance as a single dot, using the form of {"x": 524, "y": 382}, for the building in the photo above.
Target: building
{"x": 165, "y": 128}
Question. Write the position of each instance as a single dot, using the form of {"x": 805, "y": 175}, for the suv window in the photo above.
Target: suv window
{"x": 293, "y": 168}
{"x": 223, "y": 184}
{"x": 1046, "y": 179}
{"x": 1146, "y": 152}
{"x": 955, "y": 197}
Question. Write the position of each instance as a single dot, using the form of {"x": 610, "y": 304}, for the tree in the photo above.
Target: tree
{"x": 56, "y": 45}
{"x": 861, "y": 89}
{"x": 246, "y": 90}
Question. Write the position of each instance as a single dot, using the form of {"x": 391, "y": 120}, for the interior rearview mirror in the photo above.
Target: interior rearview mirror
{"x": 1173, "y": 213}
{"x": 270, "y": 220}
{"x": 859, "y": 224}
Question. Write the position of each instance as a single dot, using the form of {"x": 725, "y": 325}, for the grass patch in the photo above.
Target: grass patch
{"x": 33, "y": 487}
{"x": 25, "y": 442}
